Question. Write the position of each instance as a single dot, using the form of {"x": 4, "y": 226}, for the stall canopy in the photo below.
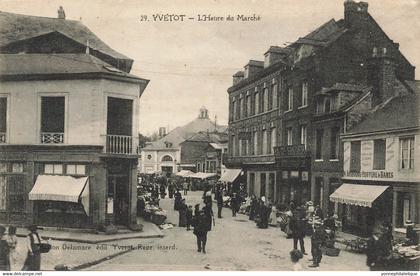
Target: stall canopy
{"x": 202, "y": 175}
{"x": 354, "y": 194}
{"x": 61, "y": 188}
{"x": 230, "y": 175}
{"x": 184, "y": 173}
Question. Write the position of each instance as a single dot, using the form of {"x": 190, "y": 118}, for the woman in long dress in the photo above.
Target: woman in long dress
{"x": 182, "y": 214}
{"x": 272, "y": 221}
{"x": 33, "y": 258}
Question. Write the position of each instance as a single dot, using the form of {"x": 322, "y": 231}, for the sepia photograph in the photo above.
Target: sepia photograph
{"x": 214, "y": 135}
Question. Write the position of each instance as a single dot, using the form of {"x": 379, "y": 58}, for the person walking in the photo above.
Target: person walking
{"x": 298, "y": 230}
{"x": 234, "y": 204}
{"x": 178, "y": 198}
{"x": 185, "y": 187}
{"x": 219, "y": 200}
{"x": 189, "y": 218}
{"x": 33, "y": 258}
{"x": 182, "y": 213}
{"x": 318, "y": 239}
{"x": 4, "y": 251}
{"x": 162, "y": 190}
{"x": 170, "y": 188}
{"x": 12, "y": 243}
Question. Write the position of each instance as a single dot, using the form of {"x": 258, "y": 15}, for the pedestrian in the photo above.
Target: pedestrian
{"x": 4, "y": 251}
{"x": 253, "y": 207}
{"x": 374, "y": 252}
{"x": 273, "y": 216}
{"x": 219, "y": 200}
{"x": 318, "y": 239}
{"x": 33, "y": 258}
{"x": 318, "y": 212}
{"x": 182, "y": 213}
{"x": 264, "y": 214}
{"x": 170, "y": 188}
{"x": 207, "y": 198}
{"x": 178, "y": 198}
{"x": 411, "y": 236}
{"x": 189, "y": 217}
{"x": 297, "y": 226}
{"x": 209, "y": 216}
{"x": 185, "y": 187}
{"x": 12, "y": 243}
{"x": 201, "y": 229}
{"x": 295, "y": 256}
{"x": 162, "y": 189}
{"x": 233, "y": 204}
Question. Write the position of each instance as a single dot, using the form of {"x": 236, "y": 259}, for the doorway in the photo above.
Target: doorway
{"x": 118, "y": 198}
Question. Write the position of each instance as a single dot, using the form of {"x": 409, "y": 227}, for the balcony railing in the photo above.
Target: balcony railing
{"x": 119, "y": 144}
{"x": 52, "y": 137}
{"x": 291, "y": 151}
{"x": 2, "y": 137}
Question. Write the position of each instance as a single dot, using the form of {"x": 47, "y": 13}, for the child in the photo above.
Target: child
{"x": 295, "y": 256}
{"x": 12, "y": 242}
{"x": 189, "y": 217}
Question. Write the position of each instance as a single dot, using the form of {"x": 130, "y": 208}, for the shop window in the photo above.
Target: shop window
{"x": 379, "y": 154}
{"x": 74, "y": 169}
{"x": 263, "y": 184}
{"x": 407, "y": 153}
{"x": 319, "y": 135}
{"x": 53, "y": 169}
{"x": 355, "y": 155}
{"x": 334, "y": 143}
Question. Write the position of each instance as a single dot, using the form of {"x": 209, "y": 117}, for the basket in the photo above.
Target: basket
{"x": 157, "y": 219}
{"x": 332, "y": 252}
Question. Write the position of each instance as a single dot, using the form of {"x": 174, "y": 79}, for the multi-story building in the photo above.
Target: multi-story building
{"x": 381, "y": 154}
{"x": 164, "y": 155}
{"x": 204, "y": 150}
{"x": 69, "y": 112}
{"x": 285, "y": 94}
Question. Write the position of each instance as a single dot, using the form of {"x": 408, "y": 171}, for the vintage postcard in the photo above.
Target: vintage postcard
{"x": 214, "y": 135}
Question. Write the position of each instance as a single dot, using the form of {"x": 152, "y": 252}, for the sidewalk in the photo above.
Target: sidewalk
{"x": 78, "y": 250}
{"x": 150, "y": 230}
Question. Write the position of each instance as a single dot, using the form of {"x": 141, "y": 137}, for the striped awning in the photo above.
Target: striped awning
{"x": 356, "y": 194}
{"x": 61, "y": 188}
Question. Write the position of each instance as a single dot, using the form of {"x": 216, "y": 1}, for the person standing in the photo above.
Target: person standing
{"x": 33, "y": 258}
{"x": 219, "y": 200}
{"x": 185, "y": 187}
{"x": 178, "y": 198}
{"x": 411, "y": 236}
{"x": 170, "y": 189}
{"x": 201, "y": 229}
{"x": 182, "y": 213}
{"x": 298, "y": 230}
{"x": 162, "y": 190}
{"x": 318, "y": 239}
{"x": 12, "y": 243}
{"x": 189, "y": 217}
{"x": 233, "y": 204}
{"x": 4, "y": 251}
{"x": 253, "y": 207}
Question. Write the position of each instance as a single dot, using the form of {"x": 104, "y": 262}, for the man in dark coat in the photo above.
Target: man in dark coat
{"x": 253, "y": 207}
{"x": 219, "y": 199}
{"x": 234, "y": 204}
{"x": 318, "y": 239}
{"x": 264, "y": 214}
{"x": 297, "y": 226}
{"x": 178, "y": 198}
{"x": 171, "y": 189}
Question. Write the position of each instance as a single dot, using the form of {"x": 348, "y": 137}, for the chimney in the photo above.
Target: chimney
{"x": 61, "y": 13}
{"x": 238, "y": 77}
{"x": 274, "y": 55}
{"x": 355, "y": 13}
{"x": 252, "y": 68}
{"x": 381, "y": 75}
{"x": 204, "y": 113}
{"x": 162, "y": 132}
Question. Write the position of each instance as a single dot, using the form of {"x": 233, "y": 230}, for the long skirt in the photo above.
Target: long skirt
{"x": 32, "y": 262}
{"x": 182, "y": 218}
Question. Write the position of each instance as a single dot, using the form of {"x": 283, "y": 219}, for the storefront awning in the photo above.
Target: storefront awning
{"x": 184, "y": 173}
{"x": 229, "y": 175}
{"x": 355, "y": 194}
{"x": 61, "y": 188}
{"x": 202, "y": 175}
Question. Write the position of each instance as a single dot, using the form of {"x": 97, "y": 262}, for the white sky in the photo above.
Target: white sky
{"x": 190, "y": 64}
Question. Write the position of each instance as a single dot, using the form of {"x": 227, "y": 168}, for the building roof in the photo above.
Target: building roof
{"x": 16, "y": 27}
{"x": 208, "y": 137}
{"x": 401, "y": 112}
{"x": 51, "y": 66}
{"x": 180, "y": 134}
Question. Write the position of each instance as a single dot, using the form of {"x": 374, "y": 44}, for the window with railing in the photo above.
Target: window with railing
{"x": 52, "y": 120}
{"x": 119, "y": 138}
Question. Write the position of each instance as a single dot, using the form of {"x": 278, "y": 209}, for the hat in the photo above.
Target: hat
{"x": 409, "y": 223}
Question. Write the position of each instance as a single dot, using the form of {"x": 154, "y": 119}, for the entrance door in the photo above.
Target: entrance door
{"x": 118, "y": 194}
{"x": 167, "y": 170}
{"x": 12, "y": 193}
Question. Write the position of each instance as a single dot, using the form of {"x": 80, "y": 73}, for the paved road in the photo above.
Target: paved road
{"x": 235, "y": 243}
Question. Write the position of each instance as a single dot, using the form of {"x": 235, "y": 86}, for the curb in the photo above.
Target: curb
{"x": 101, "y": 260}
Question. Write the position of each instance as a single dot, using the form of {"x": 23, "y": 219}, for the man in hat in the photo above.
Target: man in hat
{"x": 317, "y": 241}
{"x": 411, "y": 235}
{"x": 297, "y": 226}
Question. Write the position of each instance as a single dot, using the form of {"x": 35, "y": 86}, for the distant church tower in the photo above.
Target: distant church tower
{"x": 204, "y": 113}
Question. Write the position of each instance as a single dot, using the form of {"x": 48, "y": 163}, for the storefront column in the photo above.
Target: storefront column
{"x": 394, "y": 208}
